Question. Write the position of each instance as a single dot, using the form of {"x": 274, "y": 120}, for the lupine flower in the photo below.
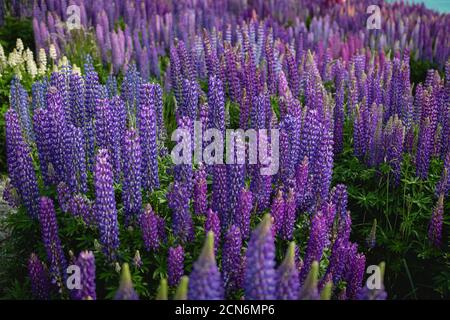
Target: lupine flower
{"x": 287, "y": 276}
{"x": 372, "y": 236}
{"x": 394, "y": 136}
{"x": 126, "y": 290}
{"x": 10, "y": 195}
{"x": 277, "y": 213}
{"x": 80, "y": 206}
{"x": 231, "y": 259}
{"x": 235, "y": 173}
{"x": 242, "y": 218}
{"x": 105, "y": 203}
{"x": 219, "y": 201}
{"x": 260, "y": 275}
{"x": 309, "y": 290}
{"x": 289, "y": 216}
{"x": 175, "y": 264}
{"x": 50, "y": 238}
{"x": 435, "y": 226}
{"x": 178, "y": 201}
{"x": 200, "y": 191}
{"x": 205, "y": 281}
{"x": 86, "y": 262}
{"x": 132, "y": 197}
{"x": 149, "y": 227}
{"x": 357, "y": 266}
{"x": 137, "y": 260}
{"x": 301, "y": 182}
{"x": 443, "y": 186}
{"x": 40, "y": 282}
{"x": 63, "y": 196}
{"x": 212, "y": 223}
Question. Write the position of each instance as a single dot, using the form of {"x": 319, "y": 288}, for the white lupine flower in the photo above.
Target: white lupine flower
{"x": 19, "y": 45}
{"x": 2, "y": 56}
{"x": 76, "y": 70}
{"x": 42, "y": 61}
{"x": 14, "y": 58}
{"x": 31, "y": 65}
{"x": 52, "y": 52}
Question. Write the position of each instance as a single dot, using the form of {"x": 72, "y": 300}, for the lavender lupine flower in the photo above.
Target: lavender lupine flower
{"x": 277, "y": 213}
{"x": 205, "y": 281}
{"x": 235, "y": 182}
{"x": 80, "y": 206}
{"x": 148, "y": 223}
{"x": 20, "y": 165}
{"x": 424, "y": 149}
{"x": 212, "y": 223}
{"x": 354, "y": 281}
{"x": 219, "y": 201}
{"x": 287, "y": 276}
{"x": 105, "y": 203}
{"x": 200, "y": 190}
{"x": 260, "y": 275}
{"x": 443, "y": 186}
{"x": 435, "y": 227}
{"x": 290, "y": 216}
{"x": 132, "y": 196}
{"x": 316, "y": 243}
{"x": 175, "y": 75}
{"x": 42, "y": 128}
{"x": 216, "y": 104}
{"x": 242, "y": 218}
{"x": 188, "y": 108}
{"x": 394, "y": 136}
{"x": 323, "y": 168}
{"x": 178, "y": 201}
{"x": 147, "y": 134}
{"x": 231, "y": 259}
{"x": 40, "y": 282}
{"x": 126, "y": 290}
{"x": 309, "y": 290}
{"x": 52, "y": 243}
{"x": 175, "y": 265}
{"x": 64, "y": 196}
{"x": 183, "y": 172}
{"x": 86, "y": 262}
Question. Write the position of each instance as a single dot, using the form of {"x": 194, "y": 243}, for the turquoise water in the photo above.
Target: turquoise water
{"x": 438, "y": 5}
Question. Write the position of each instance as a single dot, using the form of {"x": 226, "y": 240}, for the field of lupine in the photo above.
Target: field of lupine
{"x": 97, "y": 208}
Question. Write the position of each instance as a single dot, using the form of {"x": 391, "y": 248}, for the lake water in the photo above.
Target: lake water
{"x": 439, "y": 5}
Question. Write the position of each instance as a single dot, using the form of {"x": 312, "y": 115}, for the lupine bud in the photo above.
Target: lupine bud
{"x": 162, "y": 290}
{"x": 287, "y": 276}
{"x": 260, "y": 275}
{"x": 182, "y": 289}
{"x": 105, "y": 203}
{"x": 325, "y": 294}
{"x": 231, "y": 259}
{"x": 149, "y": 227}
{"x": 126, "y": 290}
{"x": 137, "y": 261}
{"x": 435, "y": 227}
{"x": 205, "y": 281}
{"x": 40, "y": 282}
{"x": 309, "y": 289}
{"x": 175, "y": 265}
{"x": 372, "y": 236}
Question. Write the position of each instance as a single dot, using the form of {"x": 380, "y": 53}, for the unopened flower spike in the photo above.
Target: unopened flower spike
{"x": 126, "y": 290}
{"x": 182, "y": 290}
{"x": 309, "y": 289}
{"x": 162, "y": 290}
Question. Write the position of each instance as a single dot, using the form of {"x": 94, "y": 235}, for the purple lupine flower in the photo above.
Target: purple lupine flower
{"x": 183, "y": 172}
{"x": 126, "y": 290}
{"x": 394, "y": 136}
{"x": 309, "y": 290}
{"x": 435, "y": 226}
{"x": 52, "y": 243}
{"x": 216, "y": 104}
{"x": 148, "y": 223}
{"x": 10, "y": 195}
{"x": 105, "y": 203}
{"x": 301, "y": 182}
{"x": 260, "y": 275}
{"x": 80, "y": 206}
{"x": 242, "y": 218}
{"x": 40, "y": 282}
{"x": 79, "y": 156}
{"x": 231, "y": 259}
{"x": 175, "y": 265}
{"x": 212, "y": 223}
{"x": 200, "y": 190}
{"x": 443, "y": 186}
{"x": 219, "y": 201}
{"x": 287, "y": 276}
{"x": 277, "y": 213}
{"x": 132, "y": 196}
{"x": 336, "y": 261}
{"x": 358, "y": 264}
{"x": 339, "y": 197}
{"x": 178, "y": 201}
{"x": 20, "y": 164}
{"x": 162, "y": 229}
{"x": 147, "y": 134}
{"x": 188, "y": 108}
{"x": 290, "y": 216}
{"x": 76, "y": 100}
{"x": 424, "y": 148}
{"x": 205, "y": 281}
{"x": 316, "y": 243}
{"x": 64, "y": 196}
{"x": 235, "y": 184}
{"x": 86, "y": 262}
{"x": 292, "y": 72}
{"x": 323, "y": 167}
{"x": 175, "y": 74}
{"x": 41, "y": 128}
